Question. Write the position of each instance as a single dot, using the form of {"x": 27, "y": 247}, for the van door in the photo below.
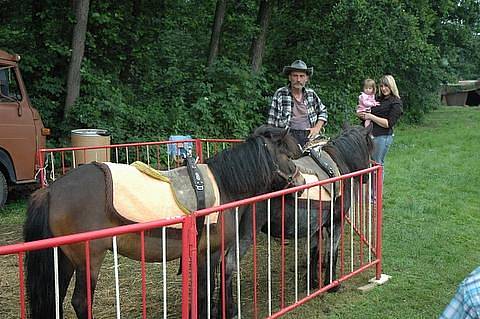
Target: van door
{"x": 17, "y": 128}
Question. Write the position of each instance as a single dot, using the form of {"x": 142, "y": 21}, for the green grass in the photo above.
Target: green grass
{"x": 431, "y": 222}
{"x": 14, "y": 212}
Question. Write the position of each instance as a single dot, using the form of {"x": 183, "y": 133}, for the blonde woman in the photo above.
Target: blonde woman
{"x": 384, "y": 117}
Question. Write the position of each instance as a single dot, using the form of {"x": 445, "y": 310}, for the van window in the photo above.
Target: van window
{"x": 9, "y": 88}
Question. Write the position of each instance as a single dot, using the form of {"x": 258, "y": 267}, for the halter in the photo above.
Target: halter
{"x": 289, "y": 178}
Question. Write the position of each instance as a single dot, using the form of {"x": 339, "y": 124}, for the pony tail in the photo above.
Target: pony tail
{"x": 39, "y": 263}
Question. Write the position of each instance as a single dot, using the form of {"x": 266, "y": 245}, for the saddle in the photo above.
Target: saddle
{"x": 309, "y": 165}
{"x": 141, "y": 193}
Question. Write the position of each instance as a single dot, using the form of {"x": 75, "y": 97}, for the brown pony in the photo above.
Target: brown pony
{"x": 77, "y": 202}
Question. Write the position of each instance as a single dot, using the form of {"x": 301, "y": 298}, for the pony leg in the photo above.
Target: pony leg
{"x": 314, "y": 257}
{"x": 202, "y": 283}
{"x": 66, "y": 270}
{"x": 230, "y": 268}
{"x": 79, "y": 298}
{"x": 331, "y": 254}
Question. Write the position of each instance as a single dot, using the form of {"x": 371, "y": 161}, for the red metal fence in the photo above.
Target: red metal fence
{"x": 162, "y": 155}
{"x": 272, "y": 278}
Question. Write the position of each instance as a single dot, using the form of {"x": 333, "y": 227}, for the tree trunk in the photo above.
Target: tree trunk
{"x": 78, "y": 48}
{"x": 216, "y": 31}
{"x": 258, "y": 43}
{"x": 132, "y": 39}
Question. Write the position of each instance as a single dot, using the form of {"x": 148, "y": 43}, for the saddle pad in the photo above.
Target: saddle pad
{"x": 139, "y": 197}
{"x": 313, "y": 173}
{"x": 314, "y": 192}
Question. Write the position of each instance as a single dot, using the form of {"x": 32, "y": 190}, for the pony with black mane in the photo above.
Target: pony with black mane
{"x": 81, "y": 201}
{"x": 350, "y": 151}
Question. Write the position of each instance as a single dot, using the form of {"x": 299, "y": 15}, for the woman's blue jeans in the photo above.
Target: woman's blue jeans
{"x": 381, "y": 144}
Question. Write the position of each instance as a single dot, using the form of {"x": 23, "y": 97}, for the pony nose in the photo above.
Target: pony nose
{"x": 299, "y": 181}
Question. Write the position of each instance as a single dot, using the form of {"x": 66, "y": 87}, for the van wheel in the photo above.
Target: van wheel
{"x": 3, "y": 190}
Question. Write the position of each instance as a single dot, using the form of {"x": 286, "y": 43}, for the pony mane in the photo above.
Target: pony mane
{"x": 351, "y": 150}
{"x": 245, "y": 168}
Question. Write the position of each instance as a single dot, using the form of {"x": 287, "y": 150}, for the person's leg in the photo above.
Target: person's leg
{"x": 300, "y": 136}
{"x": 381, "y": 144}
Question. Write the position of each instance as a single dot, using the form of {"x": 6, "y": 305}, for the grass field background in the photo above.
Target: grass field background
{"x": 431, "y": 232}
{"x": 431, "y": 222}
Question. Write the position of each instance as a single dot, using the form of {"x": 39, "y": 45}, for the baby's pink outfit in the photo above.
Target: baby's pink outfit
{"x": 365, "y": 104}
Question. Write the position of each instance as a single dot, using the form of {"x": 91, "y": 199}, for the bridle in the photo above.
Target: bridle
{"x": 288, "y": 177}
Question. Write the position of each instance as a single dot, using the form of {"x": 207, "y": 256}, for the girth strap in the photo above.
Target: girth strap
{"x": 199, "y": 187}
{"x": 323, "y": 163}
{"x": 197, "y": 181}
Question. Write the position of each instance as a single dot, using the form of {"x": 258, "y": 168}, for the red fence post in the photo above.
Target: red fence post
{"x": 189, "y": 268}
{"x": 379, "y": 204}
{"x": 199, "y": 149}
{"x": 41, "y": 167}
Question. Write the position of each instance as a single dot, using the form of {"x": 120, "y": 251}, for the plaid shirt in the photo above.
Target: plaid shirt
{"x": 281, "y": 110}
{"x": 466, "y": 302}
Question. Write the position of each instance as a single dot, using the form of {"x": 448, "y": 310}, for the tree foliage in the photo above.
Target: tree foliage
{"x": 145, "y": 74}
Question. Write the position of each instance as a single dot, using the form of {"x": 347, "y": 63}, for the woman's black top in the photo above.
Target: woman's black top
{"x": 390, "y": 108}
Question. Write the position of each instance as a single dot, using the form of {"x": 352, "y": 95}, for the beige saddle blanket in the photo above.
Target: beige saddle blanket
{"x": 313, "y": 173}
{"x": 143, "y": 194}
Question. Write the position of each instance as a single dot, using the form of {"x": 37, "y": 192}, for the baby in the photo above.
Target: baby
{"x": 366, "y": 100}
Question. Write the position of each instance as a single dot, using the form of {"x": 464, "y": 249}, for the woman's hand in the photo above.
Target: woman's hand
{"x": 364, "y": 116}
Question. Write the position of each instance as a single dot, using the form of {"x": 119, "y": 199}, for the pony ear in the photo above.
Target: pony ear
{"x": 275, "y": 134}
{"x": 345, "y": 126}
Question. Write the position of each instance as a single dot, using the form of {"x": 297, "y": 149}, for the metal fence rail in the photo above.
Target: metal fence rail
{"x": 273, "y": 279}
{"x": 161, "y": 155}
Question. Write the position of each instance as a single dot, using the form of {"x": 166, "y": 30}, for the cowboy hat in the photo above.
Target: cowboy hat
{"x": 297, "y": 65}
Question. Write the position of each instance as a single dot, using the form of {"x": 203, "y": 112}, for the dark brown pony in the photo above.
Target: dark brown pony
{"x": 351, "y": 152}
{"x": 77, "y": 203}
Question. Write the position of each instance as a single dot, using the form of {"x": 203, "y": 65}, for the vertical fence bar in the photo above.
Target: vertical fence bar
{"x": 332, "y": 235}
{"x": 209, "y": 297}
{"x": 296, "y": 246}
{"x": 193, "y": 265}
{"x": 164, "y": 270}
{"x": 308, "y": 242}
{"x": 56, "y": 284}
{"x": 186, "y": 259}
{"x": 255, "y": 268}
{"x": 89, "y": 282}
{"x": 342, "y": 222}
{"x": 369, "y": 201}
{"x": 144, "y": 274}
{"x": 222, "y": 253}
{"x": 117, "y": 283}
{"x": 269, "y": 263}
{"x": 282, "y": 270}
{"x": 199, "y": 150}
{"x": 42, "y": 168}
{"x": 320, "y": 237}
{"x": 362, "y": 222}
{"x": 352, "y": 222}
{"x": 237, "y": 240}
{"x": 21, "y": 278}
{"x": 379, "y": 195}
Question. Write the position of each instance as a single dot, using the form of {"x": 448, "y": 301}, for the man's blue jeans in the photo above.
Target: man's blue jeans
{"x": 381, "y": 144}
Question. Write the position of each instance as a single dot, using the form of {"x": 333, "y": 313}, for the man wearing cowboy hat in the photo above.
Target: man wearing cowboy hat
{"x": 296, "y": 107}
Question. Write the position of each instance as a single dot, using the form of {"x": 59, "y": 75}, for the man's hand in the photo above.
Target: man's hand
{"x": 314, "y": 131}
